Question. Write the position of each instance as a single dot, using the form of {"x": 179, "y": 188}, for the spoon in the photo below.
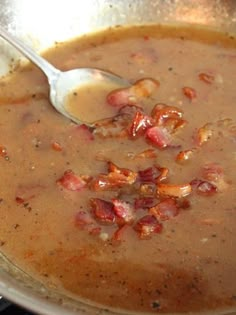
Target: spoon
{"x": 62, "y": 83}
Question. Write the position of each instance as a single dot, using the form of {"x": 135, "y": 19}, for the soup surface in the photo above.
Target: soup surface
{"x": 139, "y": 212}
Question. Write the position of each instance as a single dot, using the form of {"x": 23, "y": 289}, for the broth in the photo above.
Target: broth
{"x": 52, "y": 170}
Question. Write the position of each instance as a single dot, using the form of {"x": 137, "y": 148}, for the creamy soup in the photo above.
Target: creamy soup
{"x": 137, "y": 212}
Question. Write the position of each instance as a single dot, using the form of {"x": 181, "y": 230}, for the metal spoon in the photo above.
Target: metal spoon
{"x": 63, "y": 82}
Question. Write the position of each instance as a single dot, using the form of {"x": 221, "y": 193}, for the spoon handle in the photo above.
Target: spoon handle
{"x": 50, "y": 71}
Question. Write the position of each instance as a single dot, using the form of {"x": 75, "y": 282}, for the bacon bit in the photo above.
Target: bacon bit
{"x": 146, "y": 37}
{"x": 147, "y": 154}
{"x": 123, "y": 210}
{"x": 70, "y": 181}
{"x": 207, "y": 78}
{"x": 112, "y": 127}
{"x": 214, "y": 173}
{"x": 130, "y": 175}
{"x": 83, "y": 218}
{"x": 165, "y": 210}
{"x": 132, "y": 95}
{"x": 102, "y": 210}
{"x": 184, "y": 203}
{"x": 147, "y": 225}
{"x": 204, "y": 134}
{"x": 184, "y": 156}
{"x": 189, "y": 92}
{"x": 84, "y": 132}
{"x": 177, "y": 191}
{"x": 147, "y": 189}
{"x": 203, "y": 187}
{"x": 153, "y": 174}
{"x": 56, "y": 146}
{"x": 158, "y": 137}
{"x": 161, "y": 112}
{"x": 3, "y": 151}
{"x": 143, "y": 203}
{"x": 119, "y": 234}
{"x": 139, "y": 125}
{"x": 19, "y": 200}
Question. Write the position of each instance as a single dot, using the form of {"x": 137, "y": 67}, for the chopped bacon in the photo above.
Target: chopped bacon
{"x": 102, "y": 210}
{"x": 139, "y": 124}
{"x": 161, "y": 112}
{"x": 84, "y": 132}
{"x": 165, "y": 210}
{"x": 189, "y": 92}
{"x": 83, "y": 218}
{"x": 177, "y": 191}
{"x": 214, "y": 173}
{"x": 206, "y": 77}
{"x": 147, "y": 189}
{"x": 203, "y": 187}
{"x": 147, "y": 225}
{"x": 114, "y": 127}
{"x": 71, "y": 181}
{"x": 204, "y": 134}
{"x": 153, "y": 174}
{"x": 3, "y": 151}
{"x": 123, "y": 210}
{"x": 143, "y": 203}
{"x": 158, "y": 137}
{"x": 119, "y": 234}
{"x": 147, "y": 154}
{"x": 116, "y": 178}
{"x": 56, "y": 146}
{"x": 132, "y": 95}
{"x": 184, "y": 156}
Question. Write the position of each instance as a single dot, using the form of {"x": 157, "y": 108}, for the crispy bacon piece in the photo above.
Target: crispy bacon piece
{"x": 146, "y": 154}
{"x": 3, "y": 151}
{"x": 171, "y": 190}
{"x": 204, "y": 134}
{"x": 56, "y": 146}
{"x": 134, "y": 94}
{"x": 123, "y": 210}
{"x": 143, "y": 202}
{"x": 71, "y": 181}
{"x": 147, "y": 189}
{"x": 203, "y": 187}
{"x": 159, "y": 137}
{"x": 139, "y": 125}
{"x": 116, "y": 178}
{"x": 103, "y": 211}
{"x": 119, "y": 234}
{"x": 161, "y": 112}
{"x": 206, "y": 77}
{"x": 184, "y": 156}
{"x": 147, "y": 225}
{"x": 154, "y": 174}
{"x": 189, "y": 92}
{"x": 165, "y": 210}
{"x": 114, "y": 127}
{"x": 214, "y": 173}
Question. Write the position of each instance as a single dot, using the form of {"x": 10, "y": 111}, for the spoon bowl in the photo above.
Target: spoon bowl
{"x": 62, "y": 83}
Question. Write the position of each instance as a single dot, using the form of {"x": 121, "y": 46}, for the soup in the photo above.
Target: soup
{"x": 137, "y": 212}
